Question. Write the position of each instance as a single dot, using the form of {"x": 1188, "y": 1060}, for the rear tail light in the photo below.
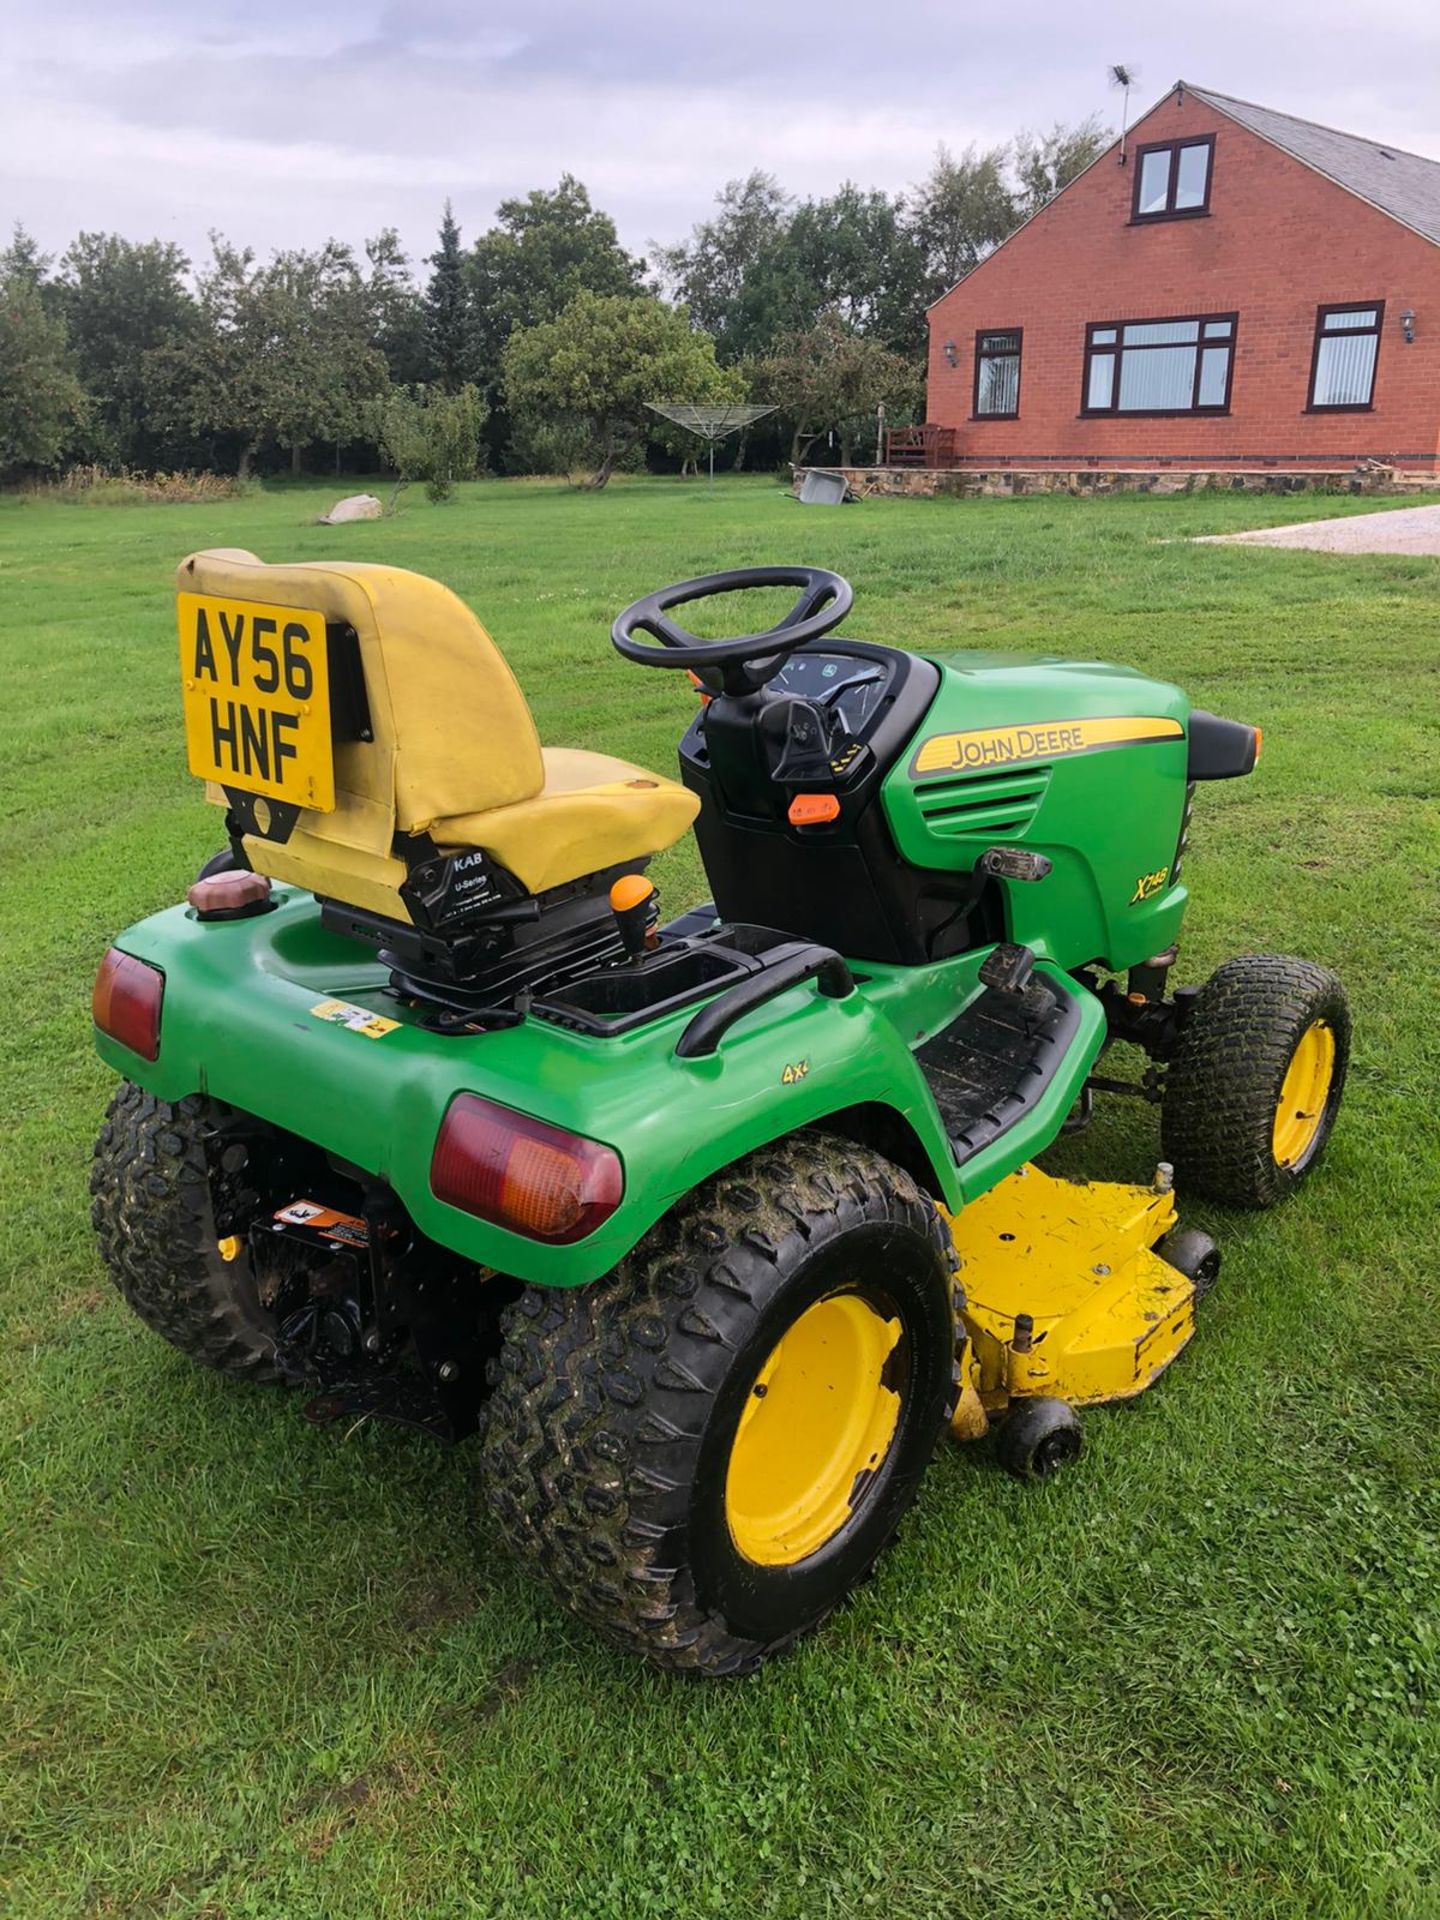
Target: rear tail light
{"x": 519, "y": 1173}
{"x": 126, "y": 1002}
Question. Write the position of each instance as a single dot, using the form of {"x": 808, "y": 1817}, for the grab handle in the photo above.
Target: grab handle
{"x": 791, "y": 965}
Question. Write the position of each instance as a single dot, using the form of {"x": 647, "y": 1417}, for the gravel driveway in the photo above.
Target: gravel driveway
{"x": 1404, "y": 530}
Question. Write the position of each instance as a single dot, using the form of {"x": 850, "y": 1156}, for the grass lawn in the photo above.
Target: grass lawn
{"x": 249, "y": 1668}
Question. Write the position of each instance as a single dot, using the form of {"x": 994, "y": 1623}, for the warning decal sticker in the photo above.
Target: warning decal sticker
{"x": 340, "y": 1013}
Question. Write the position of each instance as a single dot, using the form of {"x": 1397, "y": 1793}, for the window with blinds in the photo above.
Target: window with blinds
{"x": 997, "y": 374}
{"x": 1159, "y": 366}
{"x": 1347, "y": 347}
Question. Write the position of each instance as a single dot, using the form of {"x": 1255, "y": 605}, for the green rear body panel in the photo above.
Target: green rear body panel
{"x": 239, "y": 1024}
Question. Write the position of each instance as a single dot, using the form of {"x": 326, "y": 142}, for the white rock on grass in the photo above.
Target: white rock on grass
{"x": 357, "y": 506}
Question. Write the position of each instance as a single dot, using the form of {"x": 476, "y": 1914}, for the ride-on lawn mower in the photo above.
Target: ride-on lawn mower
{"x": 709, "y": 1228}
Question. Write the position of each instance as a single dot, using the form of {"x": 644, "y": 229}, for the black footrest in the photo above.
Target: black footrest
{"x": 995, "y": 1061}
{"x": 1008, "y": 969}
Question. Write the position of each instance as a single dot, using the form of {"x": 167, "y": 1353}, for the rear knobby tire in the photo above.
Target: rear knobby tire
{"x": 1223, "y": 1084}
{"x": 615, "y": 1407}
{"x": 152, "y": 1213}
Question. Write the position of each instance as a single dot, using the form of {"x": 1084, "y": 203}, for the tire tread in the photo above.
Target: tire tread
{"x": 600, "y": 1394}
{"x": 151, "y": 1210}
{"x": 1221, "y": 1087}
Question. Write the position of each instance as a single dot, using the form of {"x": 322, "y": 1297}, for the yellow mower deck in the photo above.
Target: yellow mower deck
{"x": 1106, "y": 1314}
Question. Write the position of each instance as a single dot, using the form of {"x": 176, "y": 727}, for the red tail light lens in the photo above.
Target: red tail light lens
{"x": 126, "y": 1002}
{"x": 519, "y": 1173}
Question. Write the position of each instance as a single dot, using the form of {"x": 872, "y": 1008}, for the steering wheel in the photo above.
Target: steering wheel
{"x": 743, "y": 663}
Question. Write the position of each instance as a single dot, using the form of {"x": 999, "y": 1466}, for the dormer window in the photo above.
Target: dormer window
{"x": 1172, "y": 181}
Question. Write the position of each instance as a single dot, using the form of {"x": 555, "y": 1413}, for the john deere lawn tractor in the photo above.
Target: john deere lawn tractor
{"x": 707, "y": 1229}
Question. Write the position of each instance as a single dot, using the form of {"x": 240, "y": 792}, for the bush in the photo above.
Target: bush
{"x": 549, "y": 447}
{"x": 98, "y": 486}
{"x": 431, "y": 436}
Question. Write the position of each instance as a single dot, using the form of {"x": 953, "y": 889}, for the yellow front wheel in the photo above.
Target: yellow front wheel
{"x": 1304, "y": 1095}
{"x": 1254, "y": 1086}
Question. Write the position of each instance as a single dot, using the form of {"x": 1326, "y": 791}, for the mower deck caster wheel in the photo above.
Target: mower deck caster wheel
{"x": 1195, "y": 1255}
{"x": 1038, "y": 1438}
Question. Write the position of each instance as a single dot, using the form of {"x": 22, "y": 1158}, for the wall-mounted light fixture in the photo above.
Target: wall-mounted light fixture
{"x": 1407, "y": 326}
{"x": 952, "y": 352}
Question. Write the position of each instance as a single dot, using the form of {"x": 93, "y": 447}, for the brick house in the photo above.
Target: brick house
{"x": 1228, "y": 288}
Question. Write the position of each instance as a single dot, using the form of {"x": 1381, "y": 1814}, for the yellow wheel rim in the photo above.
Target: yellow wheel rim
{"x": 818, "y": 1421}
{"x": 1301, "y": 1109}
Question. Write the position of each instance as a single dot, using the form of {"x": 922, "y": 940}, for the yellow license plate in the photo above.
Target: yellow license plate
{"x": 256, "y": 691}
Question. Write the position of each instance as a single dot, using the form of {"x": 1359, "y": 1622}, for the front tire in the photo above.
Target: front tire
{"x": 153, "y": 1216}
{"x": 1255, "y": 1083}
{"x": 706, "y": 1451}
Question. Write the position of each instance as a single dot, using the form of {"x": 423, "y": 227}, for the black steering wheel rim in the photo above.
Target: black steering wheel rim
{"x": 741, "y": 663}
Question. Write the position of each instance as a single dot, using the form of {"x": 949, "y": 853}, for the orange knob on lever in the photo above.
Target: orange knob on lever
{"x": 631, "y": 899}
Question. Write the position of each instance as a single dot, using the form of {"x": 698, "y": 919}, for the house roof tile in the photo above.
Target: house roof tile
{"x": 1404, "y": 185}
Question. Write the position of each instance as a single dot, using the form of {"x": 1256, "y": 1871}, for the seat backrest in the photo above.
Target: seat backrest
{"x": 452, "y": 730}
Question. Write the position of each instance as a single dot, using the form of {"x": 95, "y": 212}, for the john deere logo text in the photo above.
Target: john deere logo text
{"x": 984, "y": 747}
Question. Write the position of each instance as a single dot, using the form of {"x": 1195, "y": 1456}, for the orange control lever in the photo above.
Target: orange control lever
{"x": 631, "y": 898}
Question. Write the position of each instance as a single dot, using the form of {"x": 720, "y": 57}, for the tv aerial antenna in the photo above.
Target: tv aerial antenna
{"x": 710, "y": 424}
{"x": 1124, "y": 77}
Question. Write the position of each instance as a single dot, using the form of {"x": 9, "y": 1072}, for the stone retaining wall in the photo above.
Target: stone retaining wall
{"x": 1005, "y": 482}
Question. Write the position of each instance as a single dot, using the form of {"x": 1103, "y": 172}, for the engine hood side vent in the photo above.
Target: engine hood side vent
{"x": 983, "y": 803}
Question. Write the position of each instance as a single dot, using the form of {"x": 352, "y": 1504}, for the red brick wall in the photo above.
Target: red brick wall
{"x": 1279, "y": 240}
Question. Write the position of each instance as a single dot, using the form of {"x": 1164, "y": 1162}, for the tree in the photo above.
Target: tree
{"x": 397, "y": 312}
{"x": 726, "y": 273}
{"x": 854, "y": 255}
{"x": 282, "y": 354}
{"x": 22, "y": 259}
{"x": 962, "y": 211}
{"x": 966, "y": 207}
{"x": 763, "y": 266}
{"x": 828, "y": 378}
{"x": 122, "y": 303}
{"x": 334, "y": 371}
{"x": 542, "y": 252}
{"x": 431, "y": 436}
{"x": 590, "y": 372}
{"x": 1044, "y": 163}
{"x": 42, "y": 404}
{"x": 449, "y": 330}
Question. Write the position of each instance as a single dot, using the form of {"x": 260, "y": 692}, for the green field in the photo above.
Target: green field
{"x": 249, "y": 1668}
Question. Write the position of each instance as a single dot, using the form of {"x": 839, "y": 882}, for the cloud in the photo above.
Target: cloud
{"x": 282, "y": 126}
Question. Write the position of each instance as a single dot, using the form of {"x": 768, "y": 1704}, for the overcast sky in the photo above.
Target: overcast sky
{"x": 283, "y": 121}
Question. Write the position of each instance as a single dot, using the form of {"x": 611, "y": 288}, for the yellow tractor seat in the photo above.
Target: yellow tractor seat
{"x": 589, "y": 801}
{"x": 452, "y": 752}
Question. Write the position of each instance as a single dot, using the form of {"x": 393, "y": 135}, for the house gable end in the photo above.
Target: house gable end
{"x": 1352, "y": 167}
